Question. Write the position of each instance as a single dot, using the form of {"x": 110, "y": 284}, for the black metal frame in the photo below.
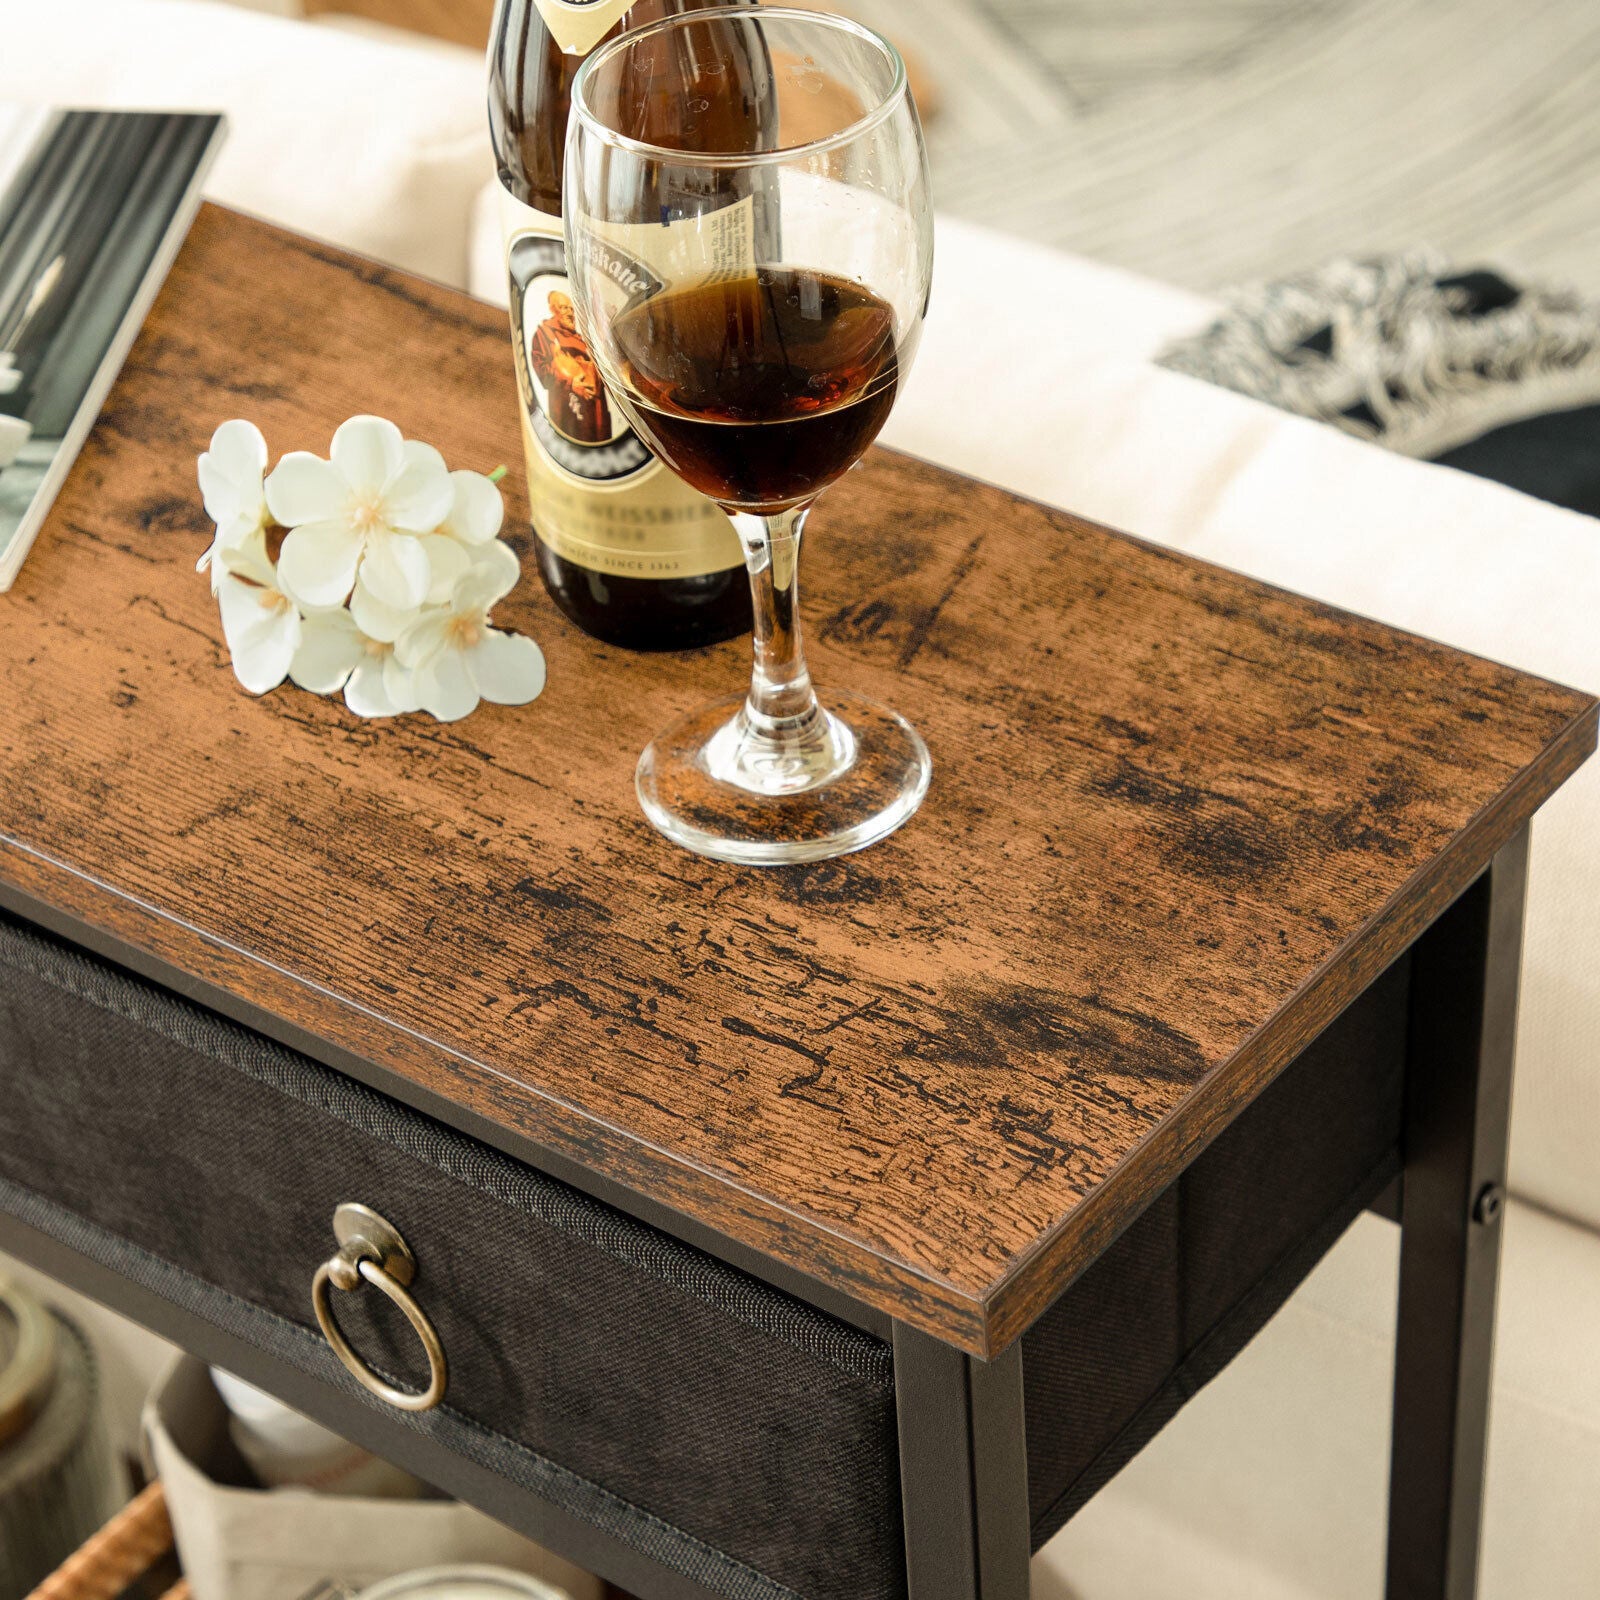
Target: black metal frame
{"x": 963, "y": 1461}
{"x": 1462, "y": 1039}
{"x": 963, "y": 1470}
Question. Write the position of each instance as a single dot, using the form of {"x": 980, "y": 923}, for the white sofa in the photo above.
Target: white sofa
{"x": 1035, "y": 373}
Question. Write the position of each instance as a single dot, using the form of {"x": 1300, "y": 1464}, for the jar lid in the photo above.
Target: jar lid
{"x": 463, "y": 1583}
{"x": 27, "y": 1359}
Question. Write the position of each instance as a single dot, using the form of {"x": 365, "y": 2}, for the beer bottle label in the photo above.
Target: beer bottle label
{"x": 579, "y": 25}
{"x": 597, "y": 495}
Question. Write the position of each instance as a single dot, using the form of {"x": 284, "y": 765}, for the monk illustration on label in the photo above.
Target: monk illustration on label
{"x": 557, "y": 353}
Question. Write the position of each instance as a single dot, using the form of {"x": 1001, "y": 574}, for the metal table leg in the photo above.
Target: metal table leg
{"x": 1458, "y": 1098}
{"x": 963, "y": 1471}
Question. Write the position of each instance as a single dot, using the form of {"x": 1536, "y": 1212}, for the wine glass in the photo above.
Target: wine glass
{"x": 752, "y": 288}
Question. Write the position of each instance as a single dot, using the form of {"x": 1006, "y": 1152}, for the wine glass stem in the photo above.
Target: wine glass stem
{"x": 781, "y": 701}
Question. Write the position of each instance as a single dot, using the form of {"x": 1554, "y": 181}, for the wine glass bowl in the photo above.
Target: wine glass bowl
{"x": 752, "y": 289}
{"x": 760, "y": 391}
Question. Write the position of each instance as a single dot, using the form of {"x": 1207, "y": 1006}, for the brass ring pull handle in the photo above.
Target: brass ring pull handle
{"x": 372, "y": 1251}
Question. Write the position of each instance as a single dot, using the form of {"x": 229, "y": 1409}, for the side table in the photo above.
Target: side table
{"x": 831, "y": 1231}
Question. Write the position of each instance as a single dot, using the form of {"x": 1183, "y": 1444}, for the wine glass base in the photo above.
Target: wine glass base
{"x": 703, "y": 787}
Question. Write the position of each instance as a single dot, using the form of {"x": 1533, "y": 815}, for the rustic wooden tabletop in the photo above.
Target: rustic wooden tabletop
{"x": 1178, "y": 819}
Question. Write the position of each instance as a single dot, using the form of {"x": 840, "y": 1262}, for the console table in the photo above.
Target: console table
{"x": 831, "y": 1231}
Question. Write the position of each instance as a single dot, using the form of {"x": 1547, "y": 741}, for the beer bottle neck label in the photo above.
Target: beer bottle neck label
{"x": 579, "y": 25}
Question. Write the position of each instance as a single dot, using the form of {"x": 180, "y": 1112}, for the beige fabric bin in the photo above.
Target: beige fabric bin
{"x": 278, "y": 1544}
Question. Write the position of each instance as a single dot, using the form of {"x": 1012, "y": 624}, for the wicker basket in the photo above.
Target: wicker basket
{"x": 129, "y": 1545}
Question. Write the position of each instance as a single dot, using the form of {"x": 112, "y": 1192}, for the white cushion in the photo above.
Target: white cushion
{"x": 376, "y": 144}
{"x": 486, "y": 257}
{"x": 1271, "y": 1484}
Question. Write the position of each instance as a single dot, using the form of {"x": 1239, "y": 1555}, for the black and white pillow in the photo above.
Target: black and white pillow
{"x": 1461, "y": 367}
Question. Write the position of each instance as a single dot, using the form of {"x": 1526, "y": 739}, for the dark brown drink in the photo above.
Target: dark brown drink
{"x": 762, "y": 391}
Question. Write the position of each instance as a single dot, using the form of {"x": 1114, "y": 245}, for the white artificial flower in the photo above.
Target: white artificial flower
{"x": 385, "y": 581}
{"x": 230, "y": 482}
{"x": 335, "y": 654}
{"x": 359, "y": 515}
{"x": 473, "y": 521}
{"x": 476, "y": 512}
{"x": 330, "y": 646}
{"x": 456, "y": 658}
{"x": 380, "y": 686}
{"x": 261, "y": 623}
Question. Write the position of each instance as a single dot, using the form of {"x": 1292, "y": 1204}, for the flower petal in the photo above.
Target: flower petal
{"x": 509, "y": 668}
{"x": 238, "y": 450}
{"x": 478, "y": 511}
{"x": 230, "y": 507}
{"x": 365, "y": 693}
{"x": 263, "y": 666}
{"x": 330, "y": 646}
{"x": 305, "y": 488}
{"x": 228, "y": 551}
{"x": 445, "y": 687}
{"x": 416, "y": 453}
{"x": 424, "y": 639}
{"x": 318, "y": 562}
{"x": 375, "y": 619}
{"x": 420, "y": 497}
{"x": 261, "y": 640}
{"x": 230, "y": 475}
{"x": 248, "y": 611}
{"x": 395, "y": 570}
{"x": 447, "y": 560}
{"x": 249, "y": 560}
{"x": 240, "y": 522}
{"x": 369, "y": 453}
{"x": 400, "y": 684}
{"x": 492, "y": 576}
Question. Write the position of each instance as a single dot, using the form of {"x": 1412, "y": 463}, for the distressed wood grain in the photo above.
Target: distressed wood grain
{"x": 1178, "y": 819}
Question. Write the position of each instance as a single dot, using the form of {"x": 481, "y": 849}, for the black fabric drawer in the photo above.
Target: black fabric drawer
{"x": 749, "y": 1439}
{"x": 721, "y": 1426}
{"x": 1201, "y": 1271}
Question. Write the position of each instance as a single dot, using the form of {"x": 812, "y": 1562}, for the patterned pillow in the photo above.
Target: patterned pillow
{"x": 1466, "y": 368}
